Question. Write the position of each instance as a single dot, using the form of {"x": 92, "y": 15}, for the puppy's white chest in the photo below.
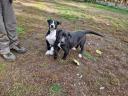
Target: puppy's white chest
{"x": 51, "y": 37}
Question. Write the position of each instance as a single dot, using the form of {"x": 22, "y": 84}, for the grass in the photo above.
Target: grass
{"x": 110, "y": 8}
{"x": 89, "y": 56}
{"x": 69, "y": 12}
{"x": 20, "y": 30}
{"x": 36, "y": 88}
{"x": 113, "y": 80}
{"x": 72, "y": 14}
{"x": 19, "y": 89}
{"x": 55, "y": 88}
{"x": 2, "y": 67}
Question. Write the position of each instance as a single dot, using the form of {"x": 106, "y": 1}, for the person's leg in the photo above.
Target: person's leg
{"x": 4, "y": 40}
{"x": 10, "y": 22}
{"x": 10, "y": 25}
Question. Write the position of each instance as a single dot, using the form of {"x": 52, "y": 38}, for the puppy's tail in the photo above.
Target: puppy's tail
{"x": 92, "y": 32}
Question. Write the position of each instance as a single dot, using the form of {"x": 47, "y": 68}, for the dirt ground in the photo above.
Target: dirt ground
{"x": 34, "y": 74}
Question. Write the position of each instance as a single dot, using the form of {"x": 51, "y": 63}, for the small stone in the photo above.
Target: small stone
{"x": 77, "y": 74}
{"x": 81, "y": 76}
{"x": 99, "y": 52}
{"x": 101, "y": 88}
{"x": 76, "y": 62}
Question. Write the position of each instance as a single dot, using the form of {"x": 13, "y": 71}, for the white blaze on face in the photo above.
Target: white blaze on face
{"x": 53, "y": 24}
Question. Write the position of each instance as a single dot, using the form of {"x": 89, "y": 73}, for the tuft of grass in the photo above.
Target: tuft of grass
{"x": 2, "y": 67}
{"x": 113, "y": 80}
{"x": 20, "y": 30}
{"x": 55, "y": 88}
{"x": 89, "y": 56}
{"x": 43, "y": 65}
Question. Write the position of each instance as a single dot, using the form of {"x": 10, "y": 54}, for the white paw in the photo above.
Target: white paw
{"x": 74, "y": 48}
{"x": 80, "y": 55}
{"x": 51, "y": 52}
{"x": 48, "y": 52}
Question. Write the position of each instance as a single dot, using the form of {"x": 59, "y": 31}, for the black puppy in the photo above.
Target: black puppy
{"x": 51, "y": 35}
{"x": 69, "y": 40}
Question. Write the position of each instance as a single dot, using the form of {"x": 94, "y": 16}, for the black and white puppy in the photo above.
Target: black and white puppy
{"x": 69, "y": 40}
{"x": 51, "y": 36}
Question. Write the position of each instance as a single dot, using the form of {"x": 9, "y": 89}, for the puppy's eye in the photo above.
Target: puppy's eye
{"x": 62, "y": 42}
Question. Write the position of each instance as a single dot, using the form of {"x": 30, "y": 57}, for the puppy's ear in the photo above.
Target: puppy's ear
{"x": 58, "y": 22}
{"x": 48, "y": 21}
{"x": 64, "y": 34}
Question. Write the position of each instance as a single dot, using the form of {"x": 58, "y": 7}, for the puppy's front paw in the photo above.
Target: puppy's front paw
{"x": 80, "y": 55}
{"x": 47, "y": 53}
{"x": 51, "y": 52}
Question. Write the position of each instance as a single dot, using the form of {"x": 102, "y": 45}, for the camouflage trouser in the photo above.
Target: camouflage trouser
{"x": 8, "y": 35}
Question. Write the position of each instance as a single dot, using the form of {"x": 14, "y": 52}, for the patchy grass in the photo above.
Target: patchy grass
{"x": 19, "y": 89}
{"x": 113, "y": 80}
{"x": 69, "y": 13}
{"x": 20, "y": 30}
{"x": 34, "y": 74}
{"x": 89, "y": 56}
{"x": 72, "y": 11}
{"x": 55, "y": 88}
{"x": 2, "y": 67}
{"x": 109, "y": 8}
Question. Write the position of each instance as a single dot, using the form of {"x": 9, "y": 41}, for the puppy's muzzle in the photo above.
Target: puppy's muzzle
{"x": 52, "y": 26}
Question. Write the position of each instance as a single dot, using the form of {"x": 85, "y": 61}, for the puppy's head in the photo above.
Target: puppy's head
{"x": 53, "y": 23}
{"x": 63, "y": 39}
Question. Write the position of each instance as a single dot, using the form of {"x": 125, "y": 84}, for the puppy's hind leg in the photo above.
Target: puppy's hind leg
{"x": 56, "y": 50}
{"x": 81, "y": 48}
{"x": 66, "y": 52}
{"x": 75, "y": 48}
